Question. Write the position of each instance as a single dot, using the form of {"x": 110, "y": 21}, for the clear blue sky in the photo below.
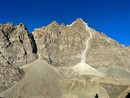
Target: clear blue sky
{"x": 109, "y": 16}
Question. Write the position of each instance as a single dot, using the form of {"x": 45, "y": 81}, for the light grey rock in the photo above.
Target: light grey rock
{"x": 17, "y": 45}
{"x": 17, "y": 48}
{"x": 9, "y": 76}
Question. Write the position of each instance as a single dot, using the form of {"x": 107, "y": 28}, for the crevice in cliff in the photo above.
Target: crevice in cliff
{"x": 30, "y": 36}
{"x": 7, "y": 38}
{"x": 21, "y": 41}
{"x": 33, "y": 43}
{"x": 49, "y": 57}
{"x": 25, "y": 54}
{"x": 5, "y": 58}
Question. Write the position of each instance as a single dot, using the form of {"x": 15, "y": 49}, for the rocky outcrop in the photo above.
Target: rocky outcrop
{"x": 17, "y": 45}
{"x": 17, "y": 48}
{"x": 63, "y": 45}
{"x": 9, "y": 76}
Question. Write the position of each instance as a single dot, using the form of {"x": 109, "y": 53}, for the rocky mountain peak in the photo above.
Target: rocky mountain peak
{"x": 56, "y": 43}
{"x": 78, "y": 22}
{"x": 9, "y": 24}
{"x": 22, "y": 26}
{"x": 16, "y": 45}
{"x": 85, "y": 61}
{"x": 54, "y": 23}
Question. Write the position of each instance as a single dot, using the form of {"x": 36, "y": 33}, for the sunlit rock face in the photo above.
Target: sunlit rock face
{"x": 61, "y": 45}
{"x": 9, "y": 76}
{"x": 64, "y": 45}
{"x": 17, "y": 45}
{"x": 94, "y": 62}
{"x": 105, "y": 51}
{"x": 17, "y": 48}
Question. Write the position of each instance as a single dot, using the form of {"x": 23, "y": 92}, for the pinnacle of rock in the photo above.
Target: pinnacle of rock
{"x": 54, "y": 23}
{"x": 77, "y": 22}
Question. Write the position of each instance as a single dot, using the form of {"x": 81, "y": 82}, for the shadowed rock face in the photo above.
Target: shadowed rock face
{"x": 17, "y": 45}
{"x": 85, "y": 62}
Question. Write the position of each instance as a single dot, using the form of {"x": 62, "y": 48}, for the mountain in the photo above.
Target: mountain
{"x": 17, "y": 47}
{"x": 62, "y": 61}
{"x": 62, "y": 45}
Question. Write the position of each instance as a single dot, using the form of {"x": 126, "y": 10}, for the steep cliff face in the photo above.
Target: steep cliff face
{"x": 64, "y": 45}
{"x": 17, "y": 48}
{"x": 61, "y": 45}
{"x": 17, "y": 45}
